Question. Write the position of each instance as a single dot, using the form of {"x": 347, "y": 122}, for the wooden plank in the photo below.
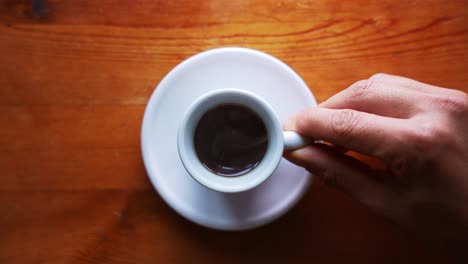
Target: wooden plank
{"x": 71, "y": 147}
{"x": 137, "y": 227}
{"x": 74, "y": 80}
{"x": 105, "y": 64}
{"x": 177, "y": 14}
{"x": 71, "y": 168}
{"x": 44, "y": 127}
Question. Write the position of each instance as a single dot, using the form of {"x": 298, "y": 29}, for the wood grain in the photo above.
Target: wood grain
{"x": 75, "y": 77}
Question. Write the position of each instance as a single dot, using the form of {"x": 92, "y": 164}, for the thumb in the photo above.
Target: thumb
{"x": 343, "y": 172}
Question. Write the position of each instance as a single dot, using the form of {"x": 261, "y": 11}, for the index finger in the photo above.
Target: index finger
{"x": 358, "y": 131}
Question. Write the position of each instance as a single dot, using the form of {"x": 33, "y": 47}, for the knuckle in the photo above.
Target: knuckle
{"x": 427, "y": 138}
{"x": 344, "y": 122}
{"x": 379, "y": 77}
{"x": 330, "y": 177}
{"x": 398, "y": 164}
{"x": 456, "y": 102}
{"x": 361, "y": 89}
{"x": 303, "y": 120}
{"x": 401, "y": 167}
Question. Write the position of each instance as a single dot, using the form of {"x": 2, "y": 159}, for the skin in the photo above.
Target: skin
{"x": 418, "y": 131}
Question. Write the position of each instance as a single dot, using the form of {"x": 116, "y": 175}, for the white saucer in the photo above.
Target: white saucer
{"x": 240, "y": 68}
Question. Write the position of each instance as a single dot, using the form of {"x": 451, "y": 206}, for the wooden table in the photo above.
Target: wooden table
{"x": 75, "y": 77}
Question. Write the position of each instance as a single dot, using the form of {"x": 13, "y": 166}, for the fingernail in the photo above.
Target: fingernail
{"x": 289, "y": 124}
{"x": 299, "y": 153}
{"x": 300, "y": 157}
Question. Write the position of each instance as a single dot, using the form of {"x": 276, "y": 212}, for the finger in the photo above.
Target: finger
{"x": 411, "y": 84}
{"x": 345, "y": 173}
{"x": 362, "y": 132}
{"x": 374, "y": 96}
{"x": 423, "y": 96}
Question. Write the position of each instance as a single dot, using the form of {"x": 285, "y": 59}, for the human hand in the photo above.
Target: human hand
{"x": 420, "y": 133}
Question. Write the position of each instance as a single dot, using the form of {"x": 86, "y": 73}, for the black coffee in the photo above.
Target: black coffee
{"x": 230, "y": 140}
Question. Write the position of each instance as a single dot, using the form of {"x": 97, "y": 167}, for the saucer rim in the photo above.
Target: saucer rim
{"x": 159, "y": 91}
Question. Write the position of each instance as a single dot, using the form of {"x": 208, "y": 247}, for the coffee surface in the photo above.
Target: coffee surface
{"x": 230, "y": 140}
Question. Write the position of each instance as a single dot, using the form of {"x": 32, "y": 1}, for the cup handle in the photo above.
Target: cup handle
{"x": 292, "y": 140}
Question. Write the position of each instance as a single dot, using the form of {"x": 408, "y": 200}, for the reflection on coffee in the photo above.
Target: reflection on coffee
{"x": 230, "y": 140}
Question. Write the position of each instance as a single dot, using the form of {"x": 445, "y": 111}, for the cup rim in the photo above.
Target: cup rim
{"x": 211, "y": 180}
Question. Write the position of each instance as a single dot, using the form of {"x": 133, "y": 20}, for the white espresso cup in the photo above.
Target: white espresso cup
{"x": 278, "y": 140}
